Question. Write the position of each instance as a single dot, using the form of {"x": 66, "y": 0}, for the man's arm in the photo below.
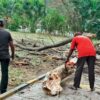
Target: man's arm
{"x": 12, "y": 49}
{"x": 73, "y": 45}
{"x": 69, "y": 54}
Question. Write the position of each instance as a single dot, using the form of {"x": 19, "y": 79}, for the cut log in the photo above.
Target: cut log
{"x": 52, "y": 81}
{"x": 23, "y": 62}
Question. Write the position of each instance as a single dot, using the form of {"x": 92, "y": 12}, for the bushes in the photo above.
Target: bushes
{"x": 89, "y": 11}
{"x": 71, "y": 15}
{"x": 54, "y": 21}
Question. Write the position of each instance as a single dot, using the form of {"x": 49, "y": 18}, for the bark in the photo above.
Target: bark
{"x": 53, "y": 45}
{"x": 45, "y": 47}
{"x": 51, "y": 84}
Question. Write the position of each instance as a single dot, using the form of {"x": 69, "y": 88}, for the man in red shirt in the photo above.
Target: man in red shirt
{"x": 86, "y": 53}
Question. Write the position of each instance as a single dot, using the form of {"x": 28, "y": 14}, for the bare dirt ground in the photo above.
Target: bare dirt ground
{"x": 35, "y": 92}
{"x": 36, "y": 64}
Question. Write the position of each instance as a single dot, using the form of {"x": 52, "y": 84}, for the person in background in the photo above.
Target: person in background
{"x": 86, "y": 53}
{"x": 6, "y": 41}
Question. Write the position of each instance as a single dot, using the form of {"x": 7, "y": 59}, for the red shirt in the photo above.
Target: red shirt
{"x": 84, "y": 46}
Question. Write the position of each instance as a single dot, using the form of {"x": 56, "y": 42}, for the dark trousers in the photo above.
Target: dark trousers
{"x": 4, "y": 73}
{"x": 80, "y": 63}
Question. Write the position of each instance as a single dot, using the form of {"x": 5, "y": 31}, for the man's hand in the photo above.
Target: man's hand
{"x": 66, "y": 63}
{"x": 12, "y": 49}
{"x": 69, "y": 54}
{"x": 67, "y": 60}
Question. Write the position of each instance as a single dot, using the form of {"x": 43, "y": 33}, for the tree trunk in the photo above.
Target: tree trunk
{"x": 45, "y": 47}
{"x": 52, "y": 81}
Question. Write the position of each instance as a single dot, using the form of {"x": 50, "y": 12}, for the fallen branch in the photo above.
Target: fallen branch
{"x": 45, "y": 47}
{"x": 38, "y": 53}
{"x": 56, "y": 45}
{"x": 53, "y": 45}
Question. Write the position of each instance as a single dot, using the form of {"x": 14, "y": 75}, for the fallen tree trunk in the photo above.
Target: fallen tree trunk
{"x": 45, "y": 47}
{"x": 54, "y": 45}
{"x": 48, "y": 47}
{"x": 62, "y": 43}
{"x": 52, "y": 81}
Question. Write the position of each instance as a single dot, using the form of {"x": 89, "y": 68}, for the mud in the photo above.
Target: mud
{"x": 35, "y": 91}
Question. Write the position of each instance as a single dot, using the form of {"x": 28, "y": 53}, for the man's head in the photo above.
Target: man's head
{"x": 1, "y": 23}
{"x": 77, "y": 33}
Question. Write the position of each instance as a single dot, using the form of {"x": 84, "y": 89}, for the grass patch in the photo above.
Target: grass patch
{"x": 46, "y": 38}
{"x": 15, "y": 76}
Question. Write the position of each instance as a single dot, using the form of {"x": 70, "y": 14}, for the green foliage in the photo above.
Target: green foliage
{"x": 54, "y": 21}
{"x": 21, "y": 12}
{"x": 90, "y": 13}
{"x": 77, "y": 15}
